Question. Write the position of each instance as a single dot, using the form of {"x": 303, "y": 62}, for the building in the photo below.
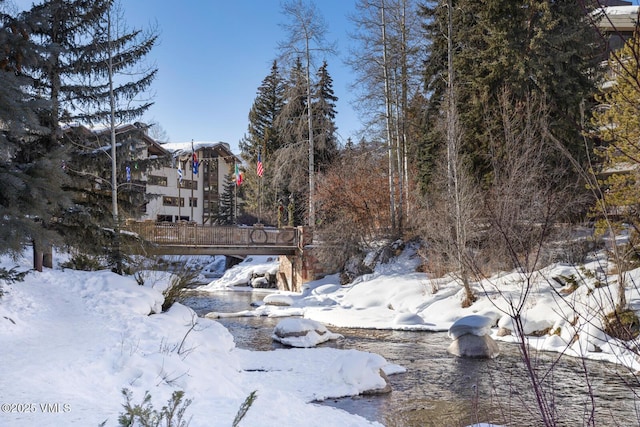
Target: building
{"x": 617, "y": 21}
{"x": 159, "y": 180}
{"x": 185, "y": 192}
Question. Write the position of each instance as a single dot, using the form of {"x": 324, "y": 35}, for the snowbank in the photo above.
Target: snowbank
{"x": 560, "y": 306}
{"x": 72, "y": 341}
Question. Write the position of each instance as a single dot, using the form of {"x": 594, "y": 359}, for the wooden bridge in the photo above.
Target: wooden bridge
{"x": 168, "y": 238}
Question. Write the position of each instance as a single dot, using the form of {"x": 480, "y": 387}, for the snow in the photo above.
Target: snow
{"x": 621, "y": 10}
{"x": 77, "y": 339}
{"x": 240, "y": 275}
{"x": 72, "y": 341}
{"x": 397, "y": 297}
{"x": 296, "y": 332}
{"x": 472, "y": 324}
{"x": 181, "y": 148}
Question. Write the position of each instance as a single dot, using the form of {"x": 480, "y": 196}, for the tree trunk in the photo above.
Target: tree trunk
{"x": 47, "y": 257}
{"x": 388, "y": 116}
{"x": 37, "y": 257}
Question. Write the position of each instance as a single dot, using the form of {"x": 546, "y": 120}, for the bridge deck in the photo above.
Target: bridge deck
{"x": 194, "y": 239}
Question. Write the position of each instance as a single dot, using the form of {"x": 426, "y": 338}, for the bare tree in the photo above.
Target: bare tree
{"x": 157, "y": 132}
{"x": 523, "y": 207}
{"x": 386, "y": 62}
{"x": 306, "y": 32}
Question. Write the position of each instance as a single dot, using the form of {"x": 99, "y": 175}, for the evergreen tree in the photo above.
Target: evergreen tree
{"x": 617, "y": 124}
{"x": 63, "y": 31}
{"x": 423, "y": 141}
{"x": 290, "y": 175}
{"x": 263, "y": 136}
{"x": 30, "y": 167}
{"x": 306, "y": 31}
{"x": 227, "y": 202}
{"x": 262, "y": 129}
{"x": 89, "y": 77}
{"x": 530, "y": 47}
{"x": 324, "y": 114}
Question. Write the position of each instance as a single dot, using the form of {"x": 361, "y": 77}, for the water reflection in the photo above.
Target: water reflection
{"x": 441, "y": 390}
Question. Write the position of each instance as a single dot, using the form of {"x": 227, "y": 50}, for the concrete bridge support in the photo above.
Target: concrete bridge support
{"x": 304, "y": 266}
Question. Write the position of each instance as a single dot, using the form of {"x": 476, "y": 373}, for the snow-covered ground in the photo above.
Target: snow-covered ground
{"x": 395, "y": 296}
{"x": 71, "y": 341}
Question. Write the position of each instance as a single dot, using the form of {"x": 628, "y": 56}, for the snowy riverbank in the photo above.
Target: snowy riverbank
{"x": 72, "y": 340}
{"x": 566, "y": 300}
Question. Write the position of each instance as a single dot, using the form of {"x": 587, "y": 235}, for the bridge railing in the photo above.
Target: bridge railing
{"x": 191, "y": 234}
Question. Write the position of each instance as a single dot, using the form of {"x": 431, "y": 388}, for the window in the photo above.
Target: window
{"x": 188, "y": 184}
{"x": 157, "y": 180}
{"x": 193, "y": 202}
{"x": 164, "y": 218}
{"x": 173, "y": 201}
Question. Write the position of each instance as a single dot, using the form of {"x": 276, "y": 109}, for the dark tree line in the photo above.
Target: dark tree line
{"x": 278, "y": 131}
{"x": 60, "y": 60}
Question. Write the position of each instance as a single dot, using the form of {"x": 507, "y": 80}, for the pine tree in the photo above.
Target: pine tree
{"x": 227, "y": 202}
{"x": 290, "y": 166}
{"x": 528, "y": 47}
{"x": 324, "y": 114}
{"x": 616, "y": 123}
{"x": 263, "y": 136}
{"x": 80, "y": 78}
{"x": 306, "y": 31}
{"x": 30, "y": 167}
{"x": 262, "y": 129}
{"x": 62, "y": 29}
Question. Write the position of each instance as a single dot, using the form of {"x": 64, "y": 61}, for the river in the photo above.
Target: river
{"x": 441, "y": 390}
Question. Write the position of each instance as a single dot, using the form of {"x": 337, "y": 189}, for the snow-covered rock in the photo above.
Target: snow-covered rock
{"x": 471, "y": 337}
{"x": 280, "y": 299}
{"x": 297, "y": 332}
{"x": 531, "y": 323}
{"x": 473, "y": 324}
{"x": 407, "y": 319}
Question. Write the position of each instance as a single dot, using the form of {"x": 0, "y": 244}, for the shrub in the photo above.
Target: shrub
{"x": 182, "y": 279}
{"x": 84, "y": 263}
{"x": 623, "y": 325}
{"x": 143, "y": 414}
{"x": 10, "y": 276}
{"x": 244, "y": 408}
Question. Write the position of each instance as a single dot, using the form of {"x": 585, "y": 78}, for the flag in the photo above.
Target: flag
{"x": 238, "y": 175}
{"x": 259, "y": 168}
{"x": 195, "y": 163}
{"x": 180, "y": 174}
{"x": 128, "y": 174}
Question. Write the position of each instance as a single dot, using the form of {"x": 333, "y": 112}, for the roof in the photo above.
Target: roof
{"x": 153, "y": 146}
{"x": 176, "y": 149}
{"x": 180, "y": 149}
{"x": 619, "y": 18}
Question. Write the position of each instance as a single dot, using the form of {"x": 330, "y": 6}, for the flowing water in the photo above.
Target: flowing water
{"x": 441, "y": 390}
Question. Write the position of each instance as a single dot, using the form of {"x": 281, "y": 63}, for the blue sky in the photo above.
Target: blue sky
{"x": 214, "y": 54}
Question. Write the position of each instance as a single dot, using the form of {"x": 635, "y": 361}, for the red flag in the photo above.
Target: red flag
{"x": 238, "y": 175}
{"x": 259, "y": 169}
